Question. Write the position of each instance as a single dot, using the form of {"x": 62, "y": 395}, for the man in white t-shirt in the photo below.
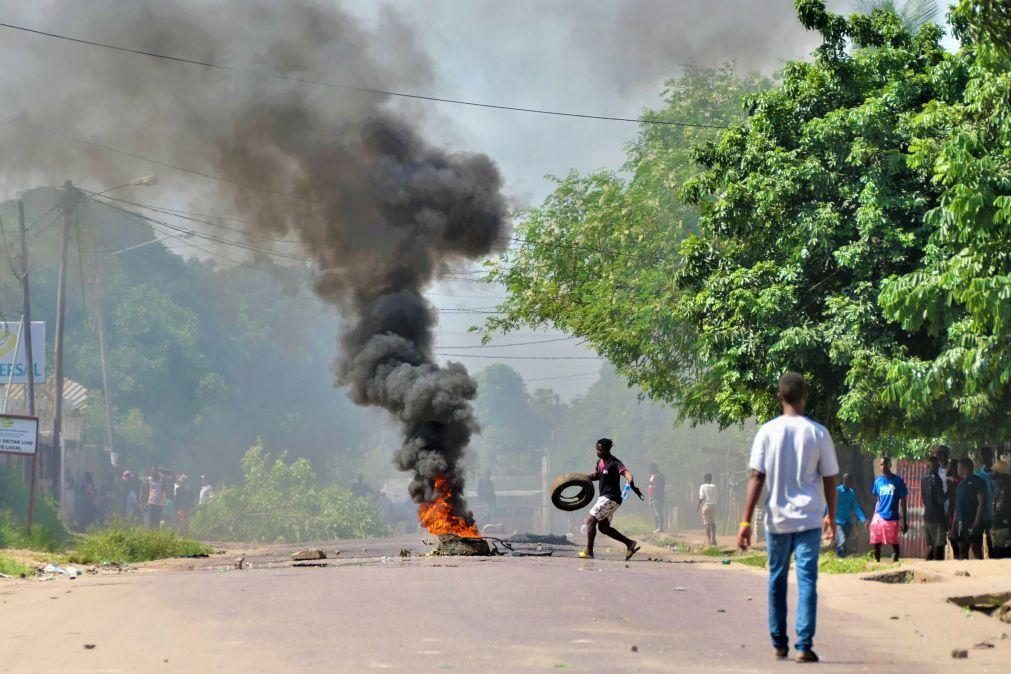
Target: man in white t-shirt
{"x": 707, "y": 506}
{"x": 795, "y": 458}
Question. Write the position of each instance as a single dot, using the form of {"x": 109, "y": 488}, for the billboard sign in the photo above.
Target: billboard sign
{"x": 18, "y": 435}
{"x": 13, "y": 365}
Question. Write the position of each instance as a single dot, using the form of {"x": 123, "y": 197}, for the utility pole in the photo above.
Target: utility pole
{"x": 100, "y": 318}
{"x": 69, "y": 207}
{"x": 26, "y": 309}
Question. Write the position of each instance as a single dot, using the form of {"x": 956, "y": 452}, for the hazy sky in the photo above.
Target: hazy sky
{"x": 606, "y": 57}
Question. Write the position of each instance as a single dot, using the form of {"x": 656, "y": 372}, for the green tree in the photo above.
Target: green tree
{"x": 961, "y": 295}
{"x": 913, "y": 14}
{"x": 513, "y": 434}
{"x": 597, "y": 258}
{"x": 853, "y": 170}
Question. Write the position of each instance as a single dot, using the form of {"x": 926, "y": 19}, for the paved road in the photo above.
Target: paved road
{"x": 504, "y": 614}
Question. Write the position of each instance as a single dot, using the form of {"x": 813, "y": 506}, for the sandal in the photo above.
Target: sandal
{"x": 583, "y": 554}
{"x": 632, "y": 551}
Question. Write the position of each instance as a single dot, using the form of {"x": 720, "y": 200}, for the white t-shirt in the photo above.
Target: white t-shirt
{"x": 707, "y": 492}
{"x": 794, "y": 453}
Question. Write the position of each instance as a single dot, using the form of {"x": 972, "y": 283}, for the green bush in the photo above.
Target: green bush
{"x": 132, "y": 544}
{"x": 830, "y": 563}
{"x": 281, "y": 502}
{"x": 48, "y": 531}
{"x": 12, "y": 567}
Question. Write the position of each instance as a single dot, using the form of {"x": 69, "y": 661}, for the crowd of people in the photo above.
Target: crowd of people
{"x": 966, "y": 508}
{"x": 162, "y": 498}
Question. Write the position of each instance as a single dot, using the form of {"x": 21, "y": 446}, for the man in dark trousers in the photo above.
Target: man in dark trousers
{"x": 657, "y": 492}
{"x": 608, "y": 473}
{"x": 795, "y": 457}
{"x": 970, "y": 509}
{"x": 935, "y": 521}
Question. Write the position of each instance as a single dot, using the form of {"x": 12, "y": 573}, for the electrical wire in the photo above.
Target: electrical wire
{"x": 348, "y": 87}
{"x": 502, "y": 346}
{"x": 565, "y": 376}
{"x": 469, "y": 355}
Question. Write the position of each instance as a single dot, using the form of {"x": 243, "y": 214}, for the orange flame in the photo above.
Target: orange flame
{"x": 437, "y": 516}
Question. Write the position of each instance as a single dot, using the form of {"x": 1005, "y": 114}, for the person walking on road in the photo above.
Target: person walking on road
{"x": 707, "y": 506}
{"x": 656, "y": 491}
{"x": 847, "y": 507}
{"x": 795, "y": 456}
{"x": 935, "y": 520}
{"x": 608, "y": 473}
{"x": 891, "y": 493}
{"x": 970, "y": 509}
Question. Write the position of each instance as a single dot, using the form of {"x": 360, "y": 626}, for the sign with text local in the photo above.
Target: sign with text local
{"x": 13, "y": 364}
{"x": 18, "y": 435}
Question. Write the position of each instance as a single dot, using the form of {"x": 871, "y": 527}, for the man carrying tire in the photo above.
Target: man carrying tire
{"x": 608, "y": 473}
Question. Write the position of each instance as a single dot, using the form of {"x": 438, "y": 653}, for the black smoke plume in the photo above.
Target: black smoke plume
{"x": 380, "y": 211}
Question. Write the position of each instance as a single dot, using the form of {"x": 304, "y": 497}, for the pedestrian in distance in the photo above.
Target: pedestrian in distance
{"x": 184, "y": 499}
{"x": 154, "y": 503}
{"x": 1001, "y": 528}
{"x": 935, "y": 521}
{"x": 891, "y": 494}
{"x": 985, "y": 471}
{"x": 847, "y": 507}
{"x": 707, "y": 506}
{"x": 206, "y": 491}
{"x": 970, "y": 506}
{"x": 656, "y": 492}
{"x": 795, "y": 457}
{"x": 608, "y": 473}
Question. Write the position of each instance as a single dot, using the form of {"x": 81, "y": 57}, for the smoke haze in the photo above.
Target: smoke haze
{"x": 380, "y": 212}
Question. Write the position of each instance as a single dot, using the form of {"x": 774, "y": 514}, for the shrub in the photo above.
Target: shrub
{"x": 120, "y": 543}
{"x": 280, "y": 501}
{"x": 12, "y": 567}
{"x": 49, "y": 533}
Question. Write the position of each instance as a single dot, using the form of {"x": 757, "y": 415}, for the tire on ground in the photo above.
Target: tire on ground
{"x": 575, "y": 501}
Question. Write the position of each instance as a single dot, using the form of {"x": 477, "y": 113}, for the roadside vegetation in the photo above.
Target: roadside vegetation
{"x": 12, "y": 567}
{"x": 120, "y": 543}
{"x": 283, "y": 502}
{"x": 48, "y": 534}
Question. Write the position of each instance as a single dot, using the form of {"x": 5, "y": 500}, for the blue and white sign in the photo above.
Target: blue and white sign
{"x": 13, "y": 367}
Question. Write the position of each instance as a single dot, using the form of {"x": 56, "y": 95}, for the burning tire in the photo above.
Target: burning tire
{"x": 572, "y": 500}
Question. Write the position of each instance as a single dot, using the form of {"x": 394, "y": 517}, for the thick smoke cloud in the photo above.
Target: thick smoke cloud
{"x": 380, "y": 211}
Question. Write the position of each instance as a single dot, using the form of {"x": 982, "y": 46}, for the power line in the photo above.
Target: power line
{"x": 348, "y": 87}
{"x": 132, "y": 155}
{"x": 502, "y": 346}
{"x": 469, "y": 355}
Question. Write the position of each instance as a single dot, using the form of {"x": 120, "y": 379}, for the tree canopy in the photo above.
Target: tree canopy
{"x": 854, "y": 226}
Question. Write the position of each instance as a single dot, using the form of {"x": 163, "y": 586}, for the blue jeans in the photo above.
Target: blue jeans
{"x": 843, "y": 532}
{"x": 804, "y": 546}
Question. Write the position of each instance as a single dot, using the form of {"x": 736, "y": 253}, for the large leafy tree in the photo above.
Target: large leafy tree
{"x": 874, "y": 165}
{"x": 596, "y": 259}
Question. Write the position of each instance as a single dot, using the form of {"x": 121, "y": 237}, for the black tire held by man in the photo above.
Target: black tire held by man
{"x": 577, "y": 501}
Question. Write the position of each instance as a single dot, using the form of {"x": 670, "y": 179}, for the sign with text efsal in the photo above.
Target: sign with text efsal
{"x": 13, "y": 364}
{"x": 18, "y": 435}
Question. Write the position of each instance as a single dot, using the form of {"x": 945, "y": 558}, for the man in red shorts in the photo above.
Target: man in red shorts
{"x": 891, "y": 493}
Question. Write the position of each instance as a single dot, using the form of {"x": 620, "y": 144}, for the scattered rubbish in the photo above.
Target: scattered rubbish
{"x": 240, "y": 562}
{"x": 451, "y": 545}
{"x": 681, "y": 589}
{"x": 534, "y": 553}
{"x": 749, "y": 598}
{"x": 720, "y": 610}
{"x": 4, "y": 575}
{"x": 894, "y": 617}
{"x": 336, "y": 552}
{"x": 983, "y": 645}
{"x": 542, "y": 539}
{"x": 1004, "y": 615}
{"x": 89, "y": 646}
{"x": 406, "y": 552}
{"x": 308, "y": 564}
{"x": 307, "y": 555}
{"x": 726, "y": 562}
{"x": 959, "y": 654}
{"x": 964, "y": 574}
{"x": 985, "y": 603}
{"x": 634, "y": 648}
{"x": 69, "y": 571}
{"x": 199, "y": 555}
{"x": 892, "y": 577}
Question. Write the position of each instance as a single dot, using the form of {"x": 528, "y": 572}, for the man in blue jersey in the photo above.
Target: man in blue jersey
{"x": 891, "y": 492}
{"x": 847, "y": 508}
